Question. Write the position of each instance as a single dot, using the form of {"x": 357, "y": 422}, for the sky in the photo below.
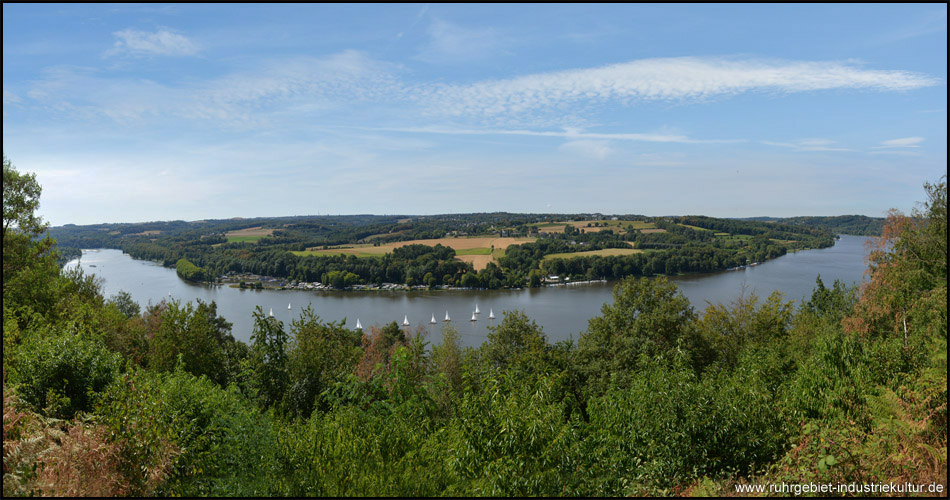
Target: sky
{"x": 146, "y": 112}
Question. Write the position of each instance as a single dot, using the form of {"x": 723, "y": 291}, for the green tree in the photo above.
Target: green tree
{"x": 319, "y": 356}
{"x": 269, "y": 358}
{"x": 647, "y": 317}
{"x": 517, "y": 341}
{"x": 123, "y": 301}
{"x": 191, "y": 334}
{"x": 29, "y": 263}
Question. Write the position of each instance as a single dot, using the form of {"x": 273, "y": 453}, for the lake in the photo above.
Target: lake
{"x": 563, "y": 312}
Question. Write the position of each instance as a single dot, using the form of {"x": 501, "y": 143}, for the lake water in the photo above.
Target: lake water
{"x": 562, "y": 312}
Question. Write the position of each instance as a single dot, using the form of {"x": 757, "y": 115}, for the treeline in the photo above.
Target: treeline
{"x": 188, "y": 271}
{"x": 103, "y": 399}
{"x": 858, "y": 225}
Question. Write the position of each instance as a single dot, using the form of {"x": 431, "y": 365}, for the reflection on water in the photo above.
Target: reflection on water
{"x": 563, "y": 312}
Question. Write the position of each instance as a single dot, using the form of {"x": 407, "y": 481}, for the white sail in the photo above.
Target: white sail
{"x": 169, "y": 294}
{"x": 491, "y": 313}
{"x": 288, "y": 307}
{"x": 473, "y": 317}
{"x": 476, "y": 309}
{"x": 405, "y": 321}
{"x": 358, "y": 325}
{"x": 447, "y": 318}
{"x": 272, "y": 312}
{"x": 432, "y": 321}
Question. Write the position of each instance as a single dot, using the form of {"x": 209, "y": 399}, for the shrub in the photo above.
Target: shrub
{"x": 61, "y": 371}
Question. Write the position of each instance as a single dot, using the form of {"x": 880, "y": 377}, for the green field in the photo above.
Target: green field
{"x": 697, "y": 228}
{"x": 604, "y": 252}
{"x": 348, "y": 250}
{"x": 474, "y": 251}
{"x": 244, "y": 239}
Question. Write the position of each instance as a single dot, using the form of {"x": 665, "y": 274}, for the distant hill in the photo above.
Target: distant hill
{"x": 858, "y": 225}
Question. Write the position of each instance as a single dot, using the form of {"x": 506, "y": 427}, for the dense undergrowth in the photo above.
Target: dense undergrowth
{"x": 101, "y": 398}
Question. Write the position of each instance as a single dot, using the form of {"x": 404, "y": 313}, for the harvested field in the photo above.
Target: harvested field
{"x": 695, "y": 227}
{"x": 648, "y": 231}
{"x": 477, "y": 250}
{"x": 604, "y": 252}
{"x": 479, "y": 262}
{"x": 249, "y": 234}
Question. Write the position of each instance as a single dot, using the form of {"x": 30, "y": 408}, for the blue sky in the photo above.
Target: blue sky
{"x": 132, "y": 113}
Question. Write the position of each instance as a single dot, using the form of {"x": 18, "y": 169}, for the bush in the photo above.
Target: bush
{"x": 61, "y": 371}
{"x": 184, "y": 435}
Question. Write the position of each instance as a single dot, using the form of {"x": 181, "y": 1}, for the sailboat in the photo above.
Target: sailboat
{"x": 491, "y": 313}
{"x": 169, "y": 294}
{"x": 476, "y": 309}
{"x": 358, "y": 325}
{"x": 473, "y": 317}
{"x": 271, "y": 312}
{"x": 447, "y": 318}
{"x": 405, "y": 321}
{"x": 288, "y": 307}
{"x": 432, "y": 321}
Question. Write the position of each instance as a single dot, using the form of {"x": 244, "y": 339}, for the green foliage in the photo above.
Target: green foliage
{"x": 516, "y": 342}
{"x": 188, "y": 271}
{"x": 352, "y": 452}
{"x": 269, "y": 358}
{"x": 193, "y": 436}
{"x": 727, "y": 330}
{"x": 319, "y": 356}
{"x": 124, "y": 303}
{"x": 196, "y": 334}
{"x": 648, "y": 317}
{"x": 61, "y": 370}
{"x": 447, "y": 357}
{"x": 509, "y": 440}
{"x": 836, "y": 302}
{"x": 669, "y": 426}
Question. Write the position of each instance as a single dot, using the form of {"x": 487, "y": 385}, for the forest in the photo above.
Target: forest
{"x": 102, "y": 398}
{"x": 672, "y": 245}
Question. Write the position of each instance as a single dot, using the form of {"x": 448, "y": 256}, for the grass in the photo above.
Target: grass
{"x": 604, "y": 252}
{"x": 249, "y": 235}
{"x": 697, "y": 228}
{"x": 464, "y": 247}
{"x": 474, "y": 251}
{"x": 244, "y": 239}
{"x": 618, "y": 226}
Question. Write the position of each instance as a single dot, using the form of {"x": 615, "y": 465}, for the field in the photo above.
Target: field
{"x": 604, "y": 252}
{"x": 478, "y": 251}
{"x": 695, "y": 227}
{"x": 250, "y": 234}
{"x": 617, "y": 226}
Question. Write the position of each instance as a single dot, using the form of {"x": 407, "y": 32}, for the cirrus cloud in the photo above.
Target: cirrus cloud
{"x": 905, "y": 142}
{"x": 161, "y": 43}
{"x": 662, "y": 79}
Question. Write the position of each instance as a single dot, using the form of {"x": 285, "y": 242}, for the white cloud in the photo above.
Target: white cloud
{"x": 594, "y": 149}
{"x": 453, "y": 43}
{"x": 10, "y": 98}
{"x": 809, "y": 145}
{"x": 661, "y": 79}
{"x": 162, "y": 43}
{"x": 568, "y": 133}
{"x": 905, "y": 142}
{"x": 288, "y": 86}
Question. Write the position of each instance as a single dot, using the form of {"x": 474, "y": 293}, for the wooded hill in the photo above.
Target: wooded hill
{"x": 276, "y": 246}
